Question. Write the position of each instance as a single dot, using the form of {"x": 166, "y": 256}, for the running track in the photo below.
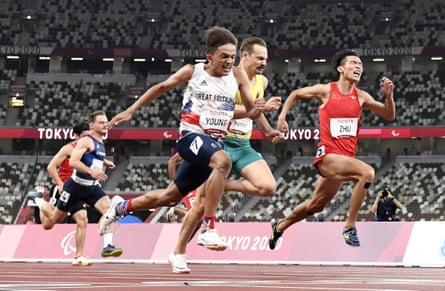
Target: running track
{"x": 140, "y": 276}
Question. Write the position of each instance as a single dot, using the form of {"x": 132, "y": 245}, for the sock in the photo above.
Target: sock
{"x": 209, "y": 221}
{"x": 108, "y": 239}
{"x": 123, "y": 208}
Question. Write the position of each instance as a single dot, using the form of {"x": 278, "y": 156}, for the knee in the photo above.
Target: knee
{"x": 267, "y": 189}
{"x": 198, "y": 210}
{"x": 222, "y": 162}
{"x": 368, "y": 174}
{"x": 171, "y": 198}
{"x": 82, "y": 221}
{"x": 47, "y": 226}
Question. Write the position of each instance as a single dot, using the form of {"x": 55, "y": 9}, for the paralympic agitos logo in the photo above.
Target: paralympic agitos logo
{"x": 68, "y": 243}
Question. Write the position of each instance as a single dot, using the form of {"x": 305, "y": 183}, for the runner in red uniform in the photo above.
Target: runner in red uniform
{"x": 340, "y": 104}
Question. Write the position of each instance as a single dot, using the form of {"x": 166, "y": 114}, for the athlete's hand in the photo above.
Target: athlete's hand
{"x": 258, "y": 108}
{"x": 119, "y": 118}
{"x": 387, "y": 86}
{"x": 273, "y": 104}
{"x": 274, "y": 135}
{"x": 99, "y": 175}
{"x": 60, "y": 188}
{"x": 282, "y": 125}
{"x": 260, "y": 104}
{"x": 109, "y": 164}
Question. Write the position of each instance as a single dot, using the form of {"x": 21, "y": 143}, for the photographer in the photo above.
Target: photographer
{"x": 385, "y": 206}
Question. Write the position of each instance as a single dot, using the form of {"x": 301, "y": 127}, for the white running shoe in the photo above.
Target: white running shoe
{"x": 210, "y": 239}
{"x": 110, "y": 216}
{"x": 171, "y": 216}
{"x": 179, "y": 263}
{"x": 80, "y": 261}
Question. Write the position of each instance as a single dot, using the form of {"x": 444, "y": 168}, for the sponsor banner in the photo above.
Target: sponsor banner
{"x": 305, "y": 242}
{"x": 427, "y": 245}
{"x": 172, "y": 134}
{"x": 10, "y": 236}
{"x": 310, "y": 242}
{"x": 108, "y": 52}
{"x": 389, "y": 51}
{"x": 33, "y": 242}
{"x": 58, "y": 243}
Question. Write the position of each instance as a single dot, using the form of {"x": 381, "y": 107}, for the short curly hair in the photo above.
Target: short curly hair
{"x": 217, "y": 36}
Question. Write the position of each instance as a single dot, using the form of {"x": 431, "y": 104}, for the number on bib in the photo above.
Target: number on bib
{"x": 65, "y": 197}
{"x": 320, "y": 152}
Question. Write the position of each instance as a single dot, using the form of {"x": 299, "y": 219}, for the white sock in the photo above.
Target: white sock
{"x": 108, "y": 239}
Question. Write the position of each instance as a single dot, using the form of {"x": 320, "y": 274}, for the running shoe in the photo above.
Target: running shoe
{"x": 351, "y": 238}
{"x": 170, "y": 215}
{"x": 179, "y": 263}
{"x": 35, "y": 199}
{"x": 111, "y": 215}
{"x": 111, "y": 251}
{"x": 275, "y": 235}
{"x": 80, "y": 261}
{"x": 34, "y": 194}
{"x": 210, "y": 239}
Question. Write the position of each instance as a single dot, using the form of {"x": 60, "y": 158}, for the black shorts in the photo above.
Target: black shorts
{"x": 79, "y": 205}
{"x": 74, "y": 193}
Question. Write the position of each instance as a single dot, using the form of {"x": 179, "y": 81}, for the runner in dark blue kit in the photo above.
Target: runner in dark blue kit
{"x": 87, "y": 160}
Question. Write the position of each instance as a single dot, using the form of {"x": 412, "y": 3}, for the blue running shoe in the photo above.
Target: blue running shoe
{"x": 275, "y": 235}
{"x": 111, "y": 251}
{"x": 351, "y": 238}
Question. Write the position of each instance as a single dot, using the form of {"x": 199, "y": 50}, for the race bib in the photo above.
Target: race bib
{"x": 215, "y": 121}
{"x": 241, "y": 125}
{"x": 97, "y": 165}
{"x": 343, "y": 127}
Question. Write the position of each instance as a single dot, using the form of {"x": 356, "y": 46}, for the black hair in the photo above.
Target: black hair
{"x": 340, "y": 56}
{"x": 80, "y": 127}
{"x": 217, "y": 36}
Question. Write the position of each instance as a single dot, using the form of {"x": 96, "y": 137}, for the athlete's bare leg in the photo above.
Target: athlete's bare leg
{"x": 335, "y": 169}
{"x": 50, "y": 215}
{"x": 258, "y": 180}
{"x": 157, "y": 198}
{"x": 214, "y": 187}
{"x": 338, "y": 167}
{"x": 190, "y": 223}
{"x": 81, "y": 230}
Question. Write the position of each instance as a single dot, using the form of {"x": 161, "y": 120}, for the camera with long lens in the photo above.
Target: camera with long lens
{"x": 385, "y": 192}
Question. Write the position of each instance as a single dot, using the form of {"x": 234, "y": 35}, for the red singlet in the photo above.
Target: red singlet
{"x": 65, "y": 171}
{"x": 339, "y": 124}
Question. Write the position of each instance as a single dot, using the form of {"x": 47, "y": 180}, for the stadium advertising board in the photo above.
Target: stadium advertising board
{"x": 172, "y": 134}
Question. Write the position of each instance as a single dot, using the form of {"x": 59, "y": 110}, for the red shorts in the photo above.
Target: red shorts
{"x": 322, "y": 151}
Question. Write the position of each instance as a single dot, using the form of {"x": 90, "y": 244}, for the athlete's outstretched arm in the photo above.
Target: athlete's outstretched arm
{"x": 183, "y": 75}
